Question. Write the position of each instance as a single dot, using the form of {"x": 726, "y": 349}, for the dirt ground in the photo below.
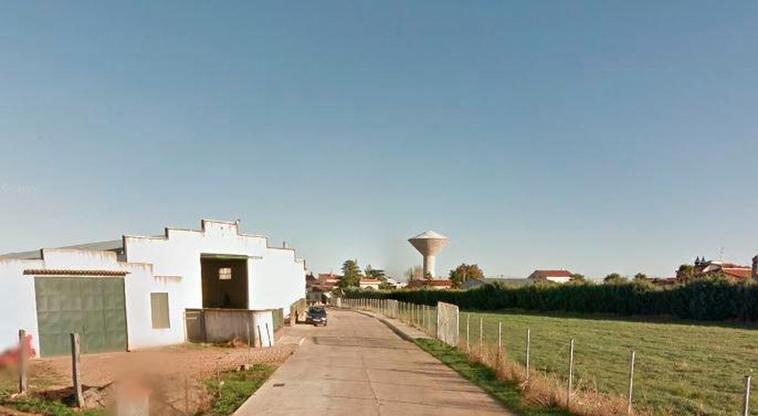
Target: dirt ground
{"x": 175, "y": 376}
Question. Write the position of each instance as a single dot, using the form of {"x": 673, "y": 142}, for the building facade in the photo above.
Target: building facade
{"x": 133, "y": 293}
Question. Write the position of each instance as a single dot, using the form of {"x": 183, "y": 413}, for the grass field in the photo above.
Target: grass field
{"x": 682, "y": 368}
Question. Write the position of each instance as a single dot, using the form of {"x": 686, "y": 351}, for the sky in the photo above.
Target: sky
{"x": 597, "y": 136}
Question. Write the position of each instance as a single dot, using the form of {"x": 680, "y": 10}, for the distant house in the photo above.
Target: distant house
{"x": 370, "y": 283}
{"x": 557, "y": 276}
{"x": 395, "y": 283}
{"x": 430, "y": 284}
{"x": 704, "y": 267}
{"x": 506, "y": 281}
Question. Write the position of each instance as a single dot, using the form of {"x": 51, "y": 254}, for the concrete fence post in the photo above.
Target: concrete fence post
{"x": 528, "y": 348}
{"x": 746, "y": 401}
{"x": 75, "y": 371}
{"x": 630, "y": 393}
{"x": 468, "y": 319}
{"x": 481, "y": 336}
{"x": 23, "y": 363}
{"x": 499, "y": 341}
{"x": 570, "y": 374}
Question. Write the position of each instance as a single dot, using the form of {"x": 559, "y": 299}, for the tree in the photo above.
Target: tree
{"x": 465, "y": 272}
{"x": 578, "y": 277}
{"x": 640, "y": 277}
{"x": 351, "y": 274}
{"x": 386, "y": 286}
{"x": 685, "y": 271}
{"x": 614, "y": 278}
{"x": 414, "y": 273}
{"x": 374, "y": 273}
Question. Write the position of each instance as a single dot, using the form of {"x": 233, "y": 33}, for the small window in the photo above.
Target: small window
{"x": 225, "y": 273}
{"x": 159, "y": 310}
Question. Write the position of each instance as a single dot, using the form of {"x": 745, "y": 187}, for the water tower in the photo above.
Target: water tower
{"x": 429, "y": 244}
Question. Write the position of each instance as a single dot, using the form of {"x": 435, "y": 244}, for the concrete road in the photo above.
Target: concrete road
{"x": 358, "y": 366}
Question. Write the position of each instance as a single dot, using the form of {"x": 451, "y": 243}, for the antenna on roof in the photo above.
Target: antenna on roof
{"x": 721, "y": 254}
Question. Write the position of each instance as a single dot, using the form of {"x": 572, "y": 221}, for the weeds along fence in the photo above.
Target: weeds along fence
{"x": 547, "y": 373}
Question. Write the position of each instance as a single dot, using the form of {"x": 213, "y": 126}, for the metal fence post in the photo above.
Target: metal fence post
{"x": 631, "y": 384}
{"x": 571, "y": 373}
{"x": 76, "y": 375}
{"x": 746, "y": 402}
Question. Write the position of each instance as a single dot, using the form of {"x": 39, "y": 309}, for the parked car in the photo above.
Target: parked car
{"x": 316, "y": 316}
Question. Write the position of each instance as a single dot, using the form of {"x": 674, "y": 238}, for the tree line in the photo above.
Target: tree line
{"x": 712, "y": 297}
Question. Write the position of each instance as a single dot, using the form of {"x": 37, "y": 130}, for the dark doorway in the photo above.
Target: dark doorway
{"x": 224, "y": 281}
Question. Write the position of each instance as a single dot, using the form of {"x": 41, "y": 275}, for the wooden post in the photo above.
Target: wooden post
{"x": 528, "y": 348}
{"x": 23, "y": 363}
{"x": 75, "y": 348}
{"x": 746, "y": 402}
{"x": 571, "y": 374}
{"x": 247, "y": 332}
{"x": 260, "y": 336}
{"x": 631, "y": 384}
{"x": 270, "y": 336}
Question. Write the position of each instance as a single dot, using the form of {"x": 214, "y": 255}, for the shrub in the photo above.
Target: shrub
{"x": 711, "y": 298}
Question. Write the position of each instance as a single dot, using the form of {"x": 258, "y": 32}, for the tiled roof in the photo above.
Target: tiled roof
{"x": 740, "y": 273}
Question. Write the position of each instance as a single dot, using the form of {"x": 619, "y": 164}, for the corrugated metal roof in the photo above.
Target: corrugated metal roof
{"x": 110, "y": 245}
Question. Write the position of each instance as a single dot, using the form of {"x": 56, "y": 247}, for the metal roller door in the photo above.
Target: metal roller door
{"x": 92, "y": 306}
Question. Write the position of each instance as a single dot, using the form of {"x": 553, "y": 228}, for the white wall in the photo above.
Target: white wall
{"x": 169, "y": 264}
{"x": 275, "y": 278}
{"x": 19, "y": 306}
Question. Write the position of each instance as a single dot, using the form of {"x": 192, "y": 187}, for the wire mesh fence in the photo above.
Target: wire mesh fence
{"x": 560, "y": 366}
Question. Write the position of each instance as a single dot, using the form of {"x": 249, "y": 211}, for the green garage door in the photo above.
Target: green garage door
{"x": 91, "y": 306}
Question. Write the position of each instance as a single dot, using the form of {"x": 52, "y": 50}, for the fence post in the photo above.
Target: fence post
{"x": 499, "y": 341}
{"x": 746, "y": 403}
{"x": 23, "y": 381}
{"x": 528, "y": 347}
{"x": 76, "y": 375}
{"x": 631, "y": 384}
{"x": 468, "y": 318}
{"x": 481, "y": 336}
{"x": 571, "y": 373}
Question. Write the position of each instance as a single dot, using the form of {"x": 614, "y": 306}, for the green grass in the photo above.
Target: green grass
{"x": 484, "y": 377}
{"x": 234, "y": 387}
{"x": 34, "y": 404}
{"x": 681, "y": 367}
{"x": 50, "y": 407}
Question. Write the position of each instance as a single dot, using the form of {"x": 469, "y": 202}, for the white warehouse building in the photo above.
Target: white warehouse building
{"x": 134, "y": 293}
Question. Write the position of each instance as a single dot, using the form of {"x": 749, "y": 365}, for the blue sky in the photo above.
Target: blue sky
{"x": 600, "y": 136}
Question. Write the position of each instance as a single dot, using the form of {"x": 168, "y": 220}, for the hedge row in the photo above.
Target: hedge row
{"x": 702, "y": 299}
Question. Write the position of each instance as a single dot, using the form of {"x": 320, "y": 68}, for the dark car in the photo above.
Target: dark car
{"x": 316, "y": 316}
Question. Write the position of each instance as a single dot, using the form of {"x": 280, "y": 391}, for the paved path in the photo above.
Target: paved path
{"x": 358, "y": 366}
